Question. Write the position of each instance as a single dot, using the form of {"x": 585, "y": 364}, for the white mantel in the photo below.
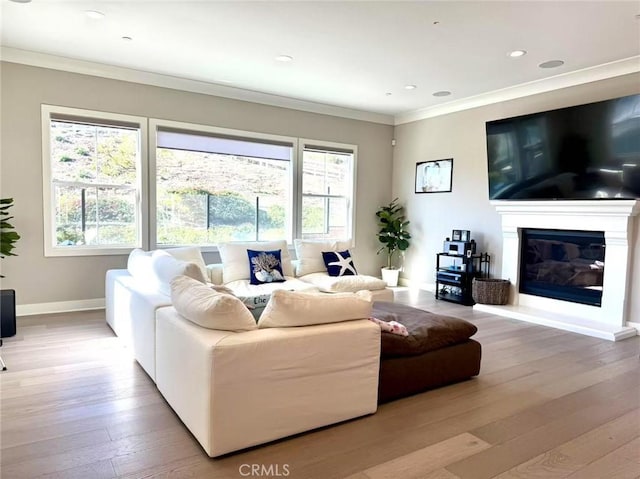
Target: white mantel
{"x": 616, "y": 219}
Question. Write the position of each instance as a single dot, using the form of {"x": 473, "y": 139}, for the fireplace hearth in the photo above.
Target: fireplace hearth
{"x": 596, "y": 298}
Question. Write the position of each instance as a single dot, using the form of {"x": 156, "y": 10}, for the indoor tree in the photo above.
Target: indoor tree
{"x": 8, "y": 235}
{"x": 393, "y": 232}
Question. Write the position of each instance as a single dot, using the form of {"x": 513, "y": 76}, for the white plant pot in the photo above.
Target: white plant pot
{"x": 390, "y": 276}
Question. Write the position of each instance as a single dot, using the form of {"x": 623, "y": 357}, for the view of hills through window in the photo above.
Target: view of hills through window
{"x": 326, "y": 193}
{"x": 206, "y": 198}
{"x": 94, "y": 177}
{"x": 202, "y": 198}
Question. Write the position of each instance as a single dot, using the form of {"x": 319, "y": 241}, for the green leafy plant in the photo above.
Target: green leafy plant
{"x": 8, "y": 235}
{"x": 393, "y": 232}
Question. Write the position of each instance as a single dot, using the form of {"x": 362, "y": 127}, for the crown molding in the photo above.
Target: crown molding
{"x": 54, "y": 62}
{"x": 564, "y": 80}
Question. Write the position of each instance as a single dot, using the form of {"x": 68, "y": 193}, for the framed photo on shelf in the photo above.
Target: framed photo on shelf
{"x": 460, "y": 235}
{"x": 434, "y": 176}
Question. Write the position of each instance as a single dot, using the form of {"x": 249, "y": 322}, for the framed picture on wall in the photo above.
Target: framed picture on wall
{"x": 434, "y": 176}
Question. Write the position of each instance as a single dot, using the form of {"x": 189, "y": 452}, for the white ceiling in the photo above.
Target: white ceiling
{"x": 346, "y": 54}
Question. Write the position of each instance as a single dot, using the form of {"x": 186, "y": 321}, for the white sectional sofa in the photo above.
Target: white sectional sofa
{"x": 236, "y": 389}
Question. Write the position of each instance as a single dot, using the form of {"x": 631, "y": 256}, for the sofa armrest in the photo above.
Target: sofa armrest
{"x": 131, "y": 311}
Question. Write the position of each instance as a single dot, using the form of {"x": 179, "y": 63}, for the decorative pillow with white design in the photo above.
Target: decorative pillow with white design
{"x": 339, "y": 263}
{"x": 309, "y": 254}
{"x": 265, "y": 267}
{"x": 233, "y": 257}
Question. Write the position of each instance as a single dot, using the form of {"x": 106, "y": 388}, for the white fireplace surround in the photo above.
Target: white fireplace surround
{"x": 616, "y": 219}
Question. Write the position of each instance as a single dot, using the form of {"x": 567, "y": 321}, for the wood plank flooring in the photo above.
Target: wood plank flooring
{"x": 547, "y": 404}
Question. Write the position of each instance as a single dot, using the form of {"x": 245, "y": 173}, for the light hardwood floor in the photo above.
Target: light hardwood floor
{"x": 547, "y": 404}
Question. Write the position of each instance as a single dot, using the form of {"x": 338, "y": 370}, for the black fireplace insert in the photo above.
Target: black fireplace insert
{"x": 562, "y": 264}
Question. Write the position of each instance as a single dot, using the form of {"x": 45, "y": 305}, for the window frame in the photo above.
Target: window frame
{"x": 145, "y": 187}
{"x": 141, "y": 195}
{"x": 195, "y": 128}
{"x": 307, "y": 143}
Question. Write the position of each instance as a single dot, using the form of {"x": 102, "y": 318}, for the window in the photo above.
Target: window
{"x": 214, "y": 185}
{"x": 205, "y": 185}
{"x": 92, "y": 164}
{"x": 328, "y": 176}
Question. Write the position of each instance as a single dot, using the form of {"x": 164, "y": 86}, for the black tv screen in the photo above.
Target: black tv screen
{"x": 588, "y": 151}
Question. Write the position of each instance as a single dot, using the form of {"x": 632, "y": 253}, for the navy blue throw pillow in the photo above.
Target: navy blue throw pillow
{"x": 265, "y": 266}
{"x": 339, "y": 263}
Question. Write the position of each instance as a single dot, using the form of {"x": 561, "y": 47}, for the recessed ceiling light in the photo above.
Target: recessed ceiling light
{"x": 127, "y": 39}
{"x": 517, "y": 53}
{"x": 284, "y": 58}
{"x": 410, "y": 87}
{"x": 552, "y": 64}
{"x": 94, "y": 14}
{"x": 436, "y": 22}
{"x": 442, "y": 93}
{"x": 21, "y": 1}
{"x": 388, "y": 93}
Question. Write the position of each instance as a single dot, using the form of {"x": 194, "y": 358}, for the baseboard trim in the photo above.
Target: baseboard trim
{"x": 634, "y": 324}
{"x": 59, "y": 307}
{"x": 415, "y": 284}
{"x": 559, "y": 321}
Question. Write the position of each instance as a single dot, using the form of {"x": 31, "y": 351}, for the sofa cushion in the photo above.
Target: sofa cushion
{"x": 191, "y": 254}
{"x": 427, "y": 331}
{"x": 156, "y": 269}
{"x": 344, "y": 284}
{"x": 166, "y": 268}
{"x": 235, "y": 265}
{"x": 243, "y": 288}
{"x": 210, "y": 309}
{"x": 339, "y": 263}
{"x": 265, "y": 266}
{"x": 256, "y": 296}
{"x": 294, "y": 308}
{"x": 140, "y": 266}
{"x": 309, "y": 254}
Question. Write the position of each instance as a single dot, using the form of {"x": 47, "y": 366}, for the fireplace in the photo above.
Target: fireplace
{"x": 567, "y": 265}
{"x": 597, "y": 302}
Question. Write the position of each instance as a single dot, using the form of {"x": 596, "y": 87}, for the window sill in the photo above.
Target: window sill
{"x": 87, "y": 251}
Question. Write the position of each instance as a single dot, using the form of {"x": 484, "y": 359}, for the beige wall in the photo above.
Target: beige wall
{"x": 23, "y": 89}
{"x": 461, "y": 136}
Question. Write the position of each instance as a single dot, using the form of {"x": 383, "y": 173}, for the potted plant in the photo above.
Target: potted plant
{"x": 8, "y": 238}
{"x": 394, "y": 237}
{"x": 8, "y": 235}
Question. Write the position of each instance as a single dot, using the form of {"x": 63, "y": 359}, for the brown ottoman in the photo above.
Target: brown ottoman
{"x": 438, "y": 351}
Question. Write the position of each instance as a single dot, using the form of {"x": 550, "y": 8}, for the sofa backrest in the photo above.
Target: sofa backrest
{"x": 214, "y": 271}
{"x": 157, "y": 268}
{"x": 235, "y": 261}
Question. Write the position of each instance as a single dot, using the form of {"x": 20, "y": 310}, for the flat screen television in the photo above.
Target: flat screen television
{"x": 583, "y": 152}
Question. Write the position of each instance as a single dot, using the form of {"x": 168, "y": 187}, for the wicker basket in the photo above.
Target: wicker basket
{"x": 490, "y": 291}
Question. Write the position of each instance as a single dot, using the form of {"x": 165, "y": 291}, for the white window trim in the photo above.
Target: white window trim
{"x": 155, "y": 123}
{"x": 329, "y": 145}
{"x": 142, "y": 206}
